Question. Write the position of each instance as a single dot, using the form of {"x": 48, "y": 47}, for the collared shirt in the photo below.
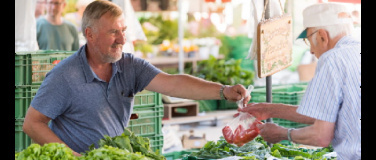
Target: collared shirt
{"x": 334, "y": 95}
{"x": 84, "y": 108}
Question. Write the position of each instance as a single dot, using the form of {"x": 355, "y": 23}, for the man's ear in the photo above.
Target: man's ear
{"x": 323, "y": 36}
{"x": 89, "y": 33}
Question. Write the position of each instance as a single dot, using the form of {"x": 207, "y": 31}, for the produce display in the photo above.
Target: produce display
{"x": 130, "y": 142}
{"x": 257, "y": 149}
{"x": 126, "y": 146}
{"x": 47, "y": 151}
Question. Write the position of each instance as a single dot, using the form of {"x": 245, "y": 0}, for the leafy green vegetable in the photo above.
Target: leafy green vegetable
{"x": 225, "y": 72}
{"x": 257, "y": 149}
{"x": 290, "y": 151}
{"x": 222, "y": 149}
{"x": 46, "y": 152}
{"x": 130, "y": 142}
{"x": 276, "y": 153}
{"x": 112, "y": 153}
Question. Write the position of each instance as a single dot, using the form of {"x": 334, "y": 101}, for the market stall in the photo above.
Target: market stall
{"x": 161, "y": 37}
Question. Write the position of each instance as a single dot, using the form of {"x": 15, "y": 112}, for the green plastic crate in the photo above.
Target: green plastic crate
{"x": 156, "y": 143}
{"x": 22, "y": 140}
{"x": 286, "y": 94}
{"x": 147, "y": 98}
{"x": 149, "y": 121}
{"x": 208, "y": 105}
{"x": 31, "y": 68}
{"x": 226, "y": 105}
{"x": 178, "y": 154}
{"x": 23, "y": 96}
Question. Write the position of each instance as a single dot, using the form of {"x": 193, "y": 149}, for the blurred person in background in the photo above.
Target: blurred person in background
{"x": 76, "y": 18}
{"x": 91, "y": 93}
{"x": 40, "y": 8}
{"x": 53, "y": 31}
{"x": 332, "y": 100}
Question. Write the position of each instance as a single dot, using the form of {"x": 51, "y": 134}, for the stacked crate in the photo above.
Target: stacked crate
{"x": 30, "y": 71}
{"x": 149, "y": 107}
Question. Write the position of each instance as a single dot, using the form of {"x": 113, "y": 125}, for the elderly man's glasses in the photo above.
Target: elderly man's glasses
{"x": 306, "y": 39}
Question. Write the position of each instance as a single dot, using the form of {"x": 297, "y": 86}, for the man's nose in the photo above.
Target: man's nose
{"x": 121, "y": 38}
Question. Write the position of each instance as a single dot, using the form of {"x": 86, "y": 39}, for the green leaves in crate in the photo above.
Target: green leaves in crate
{"x": 221, "y": 149}
{"x": 226, "y": 72}
{"x": 257, "y": 149}
{"x": 113, "y": 153}
{"x": 46, "y": 152}
{"x": 300, "y": 153}
{"x": 130, "y": 142}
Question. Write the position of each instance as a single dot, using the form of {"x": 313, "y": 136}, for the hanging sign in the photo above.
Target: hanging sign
{"x": 274, "y": 40}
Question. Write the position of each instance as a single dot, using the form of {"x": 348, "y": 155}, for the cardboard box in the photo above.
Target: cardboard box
{"x": 190, "y": 142}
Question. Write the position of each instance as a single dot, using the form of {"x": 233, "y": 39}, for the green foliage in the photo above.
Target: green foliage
{"x": 300, "y": 153}
{"x": 225, "y": 72}
{"x": 130, "y": 142}
{"x": 168, "y": 29}
{"x": 221, "y": 149}
{"x": 70, "y": 6}
{"x": 256, "y": 149}
{"x": 113, "y": 153}
{"x": 144, "y": 47}
{"x": 46, "y": 152}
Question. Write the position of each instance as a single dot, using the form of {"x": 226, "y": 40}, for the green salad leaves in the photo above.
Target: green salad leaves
{"x": 257, "y": 149}
{"x": 126, "y": 146}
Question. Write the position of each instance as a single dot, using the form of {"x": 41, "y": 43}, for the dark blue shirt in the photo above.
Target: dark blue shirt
{"x": 84, "y": 108}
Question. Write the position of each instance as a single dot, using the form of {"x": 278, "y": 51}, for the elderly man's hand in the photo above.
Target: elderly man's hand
{"x": 260, "y": 110}
{"x": 272, "y": 133}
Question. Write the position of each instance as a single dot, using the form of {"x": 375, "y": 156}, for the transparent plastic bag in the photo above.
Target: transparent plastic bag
{"x": 242, "y": 128}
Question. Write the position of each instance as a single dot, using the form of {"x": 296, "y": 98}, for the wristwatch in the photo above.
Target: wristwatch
{"x": 289, "y": 134}
{"x": 221, "y": 93}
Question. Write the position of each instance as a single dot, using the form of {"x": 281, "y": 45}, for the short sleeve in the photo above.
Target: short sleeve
{"x": 144, "y": 72}
{"x": 53, "y": 96}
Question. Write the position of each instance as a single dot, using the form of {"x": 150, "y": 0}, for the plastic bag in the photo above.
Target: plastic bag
{"x": 241, "y": 129}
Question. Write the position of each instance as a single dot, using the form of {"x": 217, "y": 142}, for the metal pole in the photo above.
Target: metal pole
{"x": 181, "y": 35}
{"x": 268, "y": 78}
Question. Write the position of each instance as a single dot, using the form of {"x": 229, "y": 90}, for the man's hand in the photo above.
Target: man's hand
{"x": 260, "y": 110}
{"x": 272, "y": 133}
{"x": 236, "y": 93}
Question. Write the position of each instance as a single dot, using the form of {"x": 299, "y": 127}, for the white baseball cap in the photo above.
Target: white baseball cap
{"x": 324, "y": 14}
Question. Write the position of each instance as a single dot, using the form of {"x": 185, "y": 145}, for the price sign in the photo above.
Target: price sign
{"x": 274, "y": 51}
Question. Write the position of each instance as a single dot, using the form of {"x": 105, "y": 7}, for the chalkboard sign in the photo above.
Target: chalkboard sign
{"x": 274, "y": 40}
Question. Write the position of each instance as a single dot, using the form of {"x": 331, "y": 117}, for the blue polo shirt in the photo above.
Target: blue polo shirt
{"x": 84, "y": 108}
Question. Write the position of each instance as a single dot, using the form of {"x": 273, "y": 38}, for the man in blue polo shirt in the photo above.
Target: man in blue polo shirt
{"x": 332, "y": 102}
{"x": 90, "y": 94}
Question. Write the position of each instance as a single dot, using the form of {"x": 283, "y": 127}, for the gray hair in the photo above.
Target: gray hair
{"x": 95, "y": 10}
{"x": 334, "y": 30}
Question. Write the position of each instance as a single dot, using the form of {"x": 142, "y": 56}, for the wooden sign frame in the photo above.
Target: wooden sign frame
{"x": 274, "y": 40}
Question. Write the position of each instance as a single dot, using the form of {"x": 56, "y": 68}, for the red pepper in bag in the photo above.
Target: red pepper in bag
{"x": 227, "y": 133}
{"x": 245, "y": 131}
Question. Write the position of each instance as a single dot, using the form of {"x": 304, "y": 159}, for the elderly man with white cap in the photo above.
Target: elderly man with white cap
{"x": 332, "y": 102}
